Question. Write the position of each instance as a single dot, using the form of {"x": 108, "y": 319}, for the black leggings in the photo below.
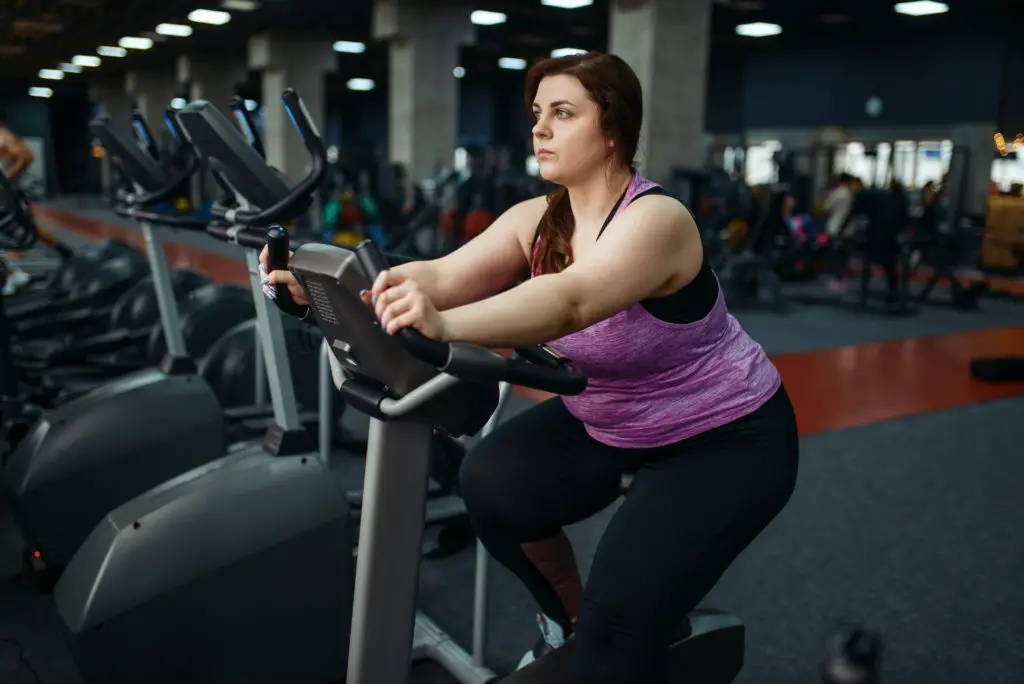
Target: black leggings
{"x": 692, "y": 508}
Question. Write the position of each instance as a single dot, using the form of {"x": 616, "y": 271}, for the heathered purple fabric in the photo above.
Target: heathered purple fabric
{"x": 652, "y": 383}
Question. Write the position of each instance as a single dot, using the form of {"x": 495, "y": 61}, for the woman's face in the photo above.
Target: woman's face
{"x": 567, "y": 136}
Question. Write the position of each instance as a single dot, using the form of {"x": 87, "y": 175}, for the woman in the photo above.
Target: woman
{"x": 677, "y": 391}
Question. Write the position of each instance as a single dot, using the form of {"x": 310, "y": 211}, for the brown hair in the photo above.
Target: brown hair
{"x": 615, "y": 88}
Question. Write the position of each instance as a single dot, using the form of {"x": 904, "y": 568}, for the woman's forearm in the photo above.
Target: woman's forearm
{"x": 428, "y": 276}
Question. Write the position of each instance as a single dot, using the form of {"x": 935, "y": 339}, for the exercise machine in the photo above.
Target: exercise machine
{"x": 240, "y": 570}
{"x": 87, "y": 456}
{"x": 410, "y": 385}
{"x": 18, "y": 232}
{"x": 258, "y": 543}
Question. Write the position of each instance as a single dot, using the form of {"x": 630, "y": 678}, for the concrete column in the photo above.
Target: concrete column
{"x": 213, "y": 80}
{"x": 666, "y": 42}
{"x": 290, "y": 61}
{"x": 977, "y": 139}
{"x": 423, "y": 111}
{"x": 153, "y": 92}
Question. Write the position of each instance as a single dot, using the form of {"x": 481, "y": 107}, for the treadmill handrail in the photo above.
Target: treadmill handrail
{"x": 191, "y": 160}
{"x": 303, "y": 123}
{"x": 159, "y": 219}
{"x": 120, "y": 146}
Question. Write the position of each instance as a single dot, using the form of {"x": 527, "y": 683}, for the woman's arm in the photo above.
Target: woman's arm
{"x": 485, "y": 265}
{"x": 652, "y": 249}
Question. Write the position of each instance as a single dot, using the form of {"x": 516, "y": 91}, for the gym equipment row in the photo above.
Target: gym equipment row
{"x": 259, "y": 540}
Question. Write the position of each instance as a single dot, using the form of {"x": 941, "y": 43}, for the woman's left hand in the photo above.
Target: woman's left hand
{"x": 400, "y": 303}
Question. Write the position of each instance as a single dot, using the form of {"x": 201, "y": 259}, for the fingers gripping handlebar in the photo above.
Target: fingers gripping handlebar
{"x": 472, "y": 362}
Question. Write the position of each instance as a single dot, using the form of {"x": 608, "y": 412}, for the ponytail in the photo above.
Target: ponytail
{"x": 553, "y": 251}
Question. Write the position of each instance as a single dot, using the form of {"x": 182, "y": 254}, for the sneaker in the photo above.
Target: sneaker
{"x": 552, "y": 637}
{"x": 15, "y": 280}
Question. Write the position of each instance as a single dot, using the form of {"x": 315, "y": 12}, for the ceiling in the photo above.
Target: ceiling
{"x": 37, "y": 34}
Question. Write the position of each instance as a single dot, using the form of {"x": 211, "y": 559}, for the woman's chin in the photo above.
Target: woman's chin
{"x": 549, "y": 172}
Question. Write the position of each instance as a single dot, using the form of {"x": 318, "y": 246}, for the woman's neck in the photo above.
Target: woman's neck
{"x": 593, "y": 198}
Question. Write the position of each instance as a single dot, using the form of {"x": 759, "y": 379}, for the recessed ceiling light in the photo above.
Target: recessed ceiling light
{"x": 758, "y": 29}
{"x": 349, "y": 46}
{"x": 51, "y": 74}
{"x": 459, "y": 72}
{"x": 920, "y": 8}
{"x": 39, "y": 91}
{"x": 135, "y": 43}
{"x": 176, "y": 30}
{"x": 567, "y": 52}
{"x": 361, "y": 84}
{"x": 513, "y": 63}
{"x": 86, "y": 60}
{"x": 70, "y": 68}
{"x": 212, "y": 17}
{"x": 485, "y": 18}
{"x": 567, "y": 4}
{"x": 240, "y": 5}
{"x": 108, "y": 51}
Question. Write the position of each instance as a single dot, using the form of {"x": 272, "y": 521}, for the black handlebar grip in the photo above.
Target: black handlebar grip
{"x": 278, "y": 244}
{"x": 371, "y": 259}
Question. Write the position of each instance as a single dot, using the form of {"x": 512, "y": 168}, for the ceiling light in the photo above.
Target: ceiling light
{"x": 567, "y": 4}
{"x": 240, "y": 5}
{"x": 70, "y": 68}
{"x": 350, "y": 46}
{"x": 758, "y": 29}
{"x": 459, "y": 72}
{"x": 567, "y": 52}
{"x": 51, "y": 74}
{"x": 39, "y": 91}
{"x": 921, "y": 8}
{"x": 514, "y": 63}
{"x": 86, "y": 60}
{"x": 362, "y": 84}
{"x": 212, "y": 17}
{"x": 252, "y": 105}
{"x": 179, "y": 103}
{"x": 176, "y": 30}
{"x": 108, "y": 51}
{"x": 135, "y": 43}
{"x": 485, "y": 18}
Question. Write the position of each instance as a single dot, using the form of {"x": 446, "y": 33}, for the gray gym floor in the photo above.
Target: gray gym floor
{"x": 910, "y": 527}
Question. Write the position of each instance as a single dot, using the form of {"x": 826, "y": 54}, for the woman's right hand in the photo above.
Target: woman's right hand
{"x": 270, "y": 280}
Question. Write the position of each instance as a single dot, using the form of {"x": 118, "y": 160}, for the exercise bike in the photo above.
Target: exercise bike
{"x": 91, "y": 454}
{"x": 409, "y": 385}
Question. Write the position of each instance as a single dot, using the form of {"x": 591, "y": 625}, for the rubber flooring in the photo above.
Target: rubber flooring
{"x": 906, "y": 517}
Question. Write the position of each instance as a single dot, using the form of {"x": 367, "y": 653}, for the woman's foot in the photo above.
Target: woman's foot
{"x": 552, "y": 637}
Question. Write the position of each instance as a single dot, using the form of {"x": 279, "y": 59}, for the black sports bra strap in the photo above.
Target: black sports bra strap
{"x": 656, "y": 190}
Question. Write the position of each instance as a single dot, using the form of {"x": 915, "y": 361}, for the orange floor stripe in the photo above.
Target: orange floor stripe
{"x": 830, "y": 388}
{"x": 219, "y": 268}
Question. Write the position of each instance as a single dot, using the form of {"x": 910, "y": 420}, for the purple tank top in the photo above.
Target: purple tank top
{"x": 652, "y": 383}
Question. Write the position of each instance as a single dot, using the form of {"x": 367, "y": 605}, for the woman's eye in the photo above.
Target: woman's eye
{"x": 563, "y": 114}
